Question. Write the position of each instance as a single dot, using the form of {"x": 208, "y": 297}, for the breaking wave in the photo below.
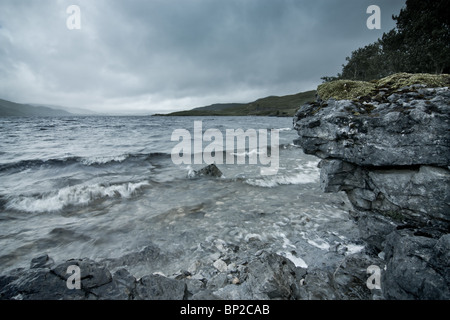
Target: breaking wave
{"x": 72, "y": 196}
{"x": 303, "y": 174}
{"x": 86, "y": 161}
{"x": 274, "y": 181}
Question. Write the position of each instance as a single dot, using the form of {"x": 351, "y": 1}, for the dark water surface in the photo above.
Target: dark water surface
{"x": 102, "y": 187}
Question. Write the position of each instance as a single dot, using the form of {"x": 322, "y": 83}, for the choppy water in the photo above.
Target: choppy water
{"x": 103, "y": 187}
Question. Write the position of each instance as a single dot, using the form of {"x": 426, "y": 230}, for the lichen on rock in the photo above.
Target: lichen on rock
{"x": 350, "y": 89}
{"x": 400, "y": 80}
{"x": 386, "y": 144}
{"x": 344, "y": 89}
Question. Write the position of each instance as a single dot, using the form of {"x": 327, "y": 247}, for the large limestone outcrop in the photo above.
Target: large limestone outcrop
{"x": 389, "y": 150}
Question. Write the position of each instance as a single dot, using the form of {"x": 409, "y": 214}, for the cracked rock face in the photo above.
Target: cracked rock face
{"x": 418, "y": 266}
{"x": 391, "y": 156}
{"x": 48, "y": 282}
{"x": 411, "y": 128}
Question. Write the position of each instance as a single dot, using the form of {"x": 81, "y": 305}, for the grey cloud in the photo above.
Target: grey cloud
{"x": 154, "y": 54}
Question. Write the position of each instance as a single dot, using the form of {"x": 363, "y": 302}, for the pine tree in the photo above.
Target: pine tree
{"x": 420, "y": 43}
{"x": 424, "y": 26}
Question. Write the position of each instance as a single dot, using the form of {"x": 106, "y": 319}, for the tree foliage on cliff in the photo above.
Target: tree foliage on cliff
{"x": 420, "y": 43}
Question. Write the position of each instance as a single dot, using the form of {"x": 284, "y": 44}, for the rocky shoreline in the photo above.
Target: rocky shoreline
{"x": 388, "y": 150}
{"x": 233, "y": 273}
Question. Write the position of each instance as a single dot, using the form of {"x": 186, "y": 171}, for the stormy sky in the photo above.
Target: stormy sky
{"x": 164, "y": 55}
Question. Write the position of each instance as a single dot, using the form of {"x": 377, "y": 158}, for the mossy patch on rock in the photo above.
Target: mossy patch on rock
{"x": 350, "y": 90}
{"x": 344, "y": 89}
{"x": 400, "y": 80}
{"x": 395, "y": 215}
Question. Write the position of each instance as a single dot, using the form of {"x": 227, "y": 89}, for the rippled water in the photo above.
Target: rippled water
{"x": 102, "y": 187}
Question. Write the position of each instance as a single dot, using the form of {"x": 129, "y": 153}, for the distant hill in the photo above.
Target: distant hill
{"x": 220, "y": 106}
{"x": 76, "y": 111}
{"x": 11, "y": 109}
{"x": 284, "y": 106}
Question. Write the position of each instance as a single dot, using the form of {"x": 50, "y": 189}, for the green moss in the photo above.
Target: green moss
{"x": 354, "y": 90}
{"x": 394, "y": 215}
{"x": 344, "y": 89}
{"x": 399, "y": 80}
{"x": 368, "y": 107}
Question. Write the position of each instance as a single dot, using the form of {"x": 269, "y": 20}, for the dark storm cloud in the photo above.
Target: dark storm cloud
{"x": 176, "y": 54}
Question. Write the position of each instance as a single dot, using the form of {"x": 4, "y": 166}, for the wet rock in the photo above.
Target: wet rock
{"x": 205, "y": 295}
{"x": 397, "y": 133}
{"x": 5, "y": 281}
{"x": 337, "y": 175}
{"x": 194, "y": 266}
{"x": 93, "y": 274}
{"x": 235, "y": 280}
{"x": 347, "y": 282}
{"x": 39, "y": 284}
{"x": 263, "y": 276}
{"x": 41, "y": 262}
{"x": 210, "y": 170}
{"x": 271, "y": 276}
{"x": 417, "y": 268}
{"x": 122, "y": 287}
{"x": 156, "y": 287}
{"x": 43, "y": 283}
{"x": 150, "y": 255}
{"x": 233, "y": 292}
{"x": 220, "y": 265}
{"x": 317, "y": 285}
{"x": 418, "y": 195}
{"x": 194, "y": 286}
{"x": 217, "y": 282}
{"x": 389, "y": 152}
{"x": 374, "y": 228}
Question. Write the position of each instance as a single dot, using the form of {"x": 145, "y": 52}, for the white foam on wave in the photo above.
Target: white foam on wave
{"x": 302, "y": 174}
{"x": 73, "y": 195}
{"x": 319, "y": 243}
{"x": 190, "y": 172}
{"x": 299, "y": 262}
{"x": 354, "y": 248}
{"x": 274, "y": 181}
{"x": 248, "y": 153}
{"x": 103, "y": 159}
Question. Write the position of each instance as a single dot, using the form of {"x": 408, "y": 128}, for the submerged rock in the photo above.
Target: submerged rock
{"x": 41, "y": 261}
{"x": 210, "y": 170}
